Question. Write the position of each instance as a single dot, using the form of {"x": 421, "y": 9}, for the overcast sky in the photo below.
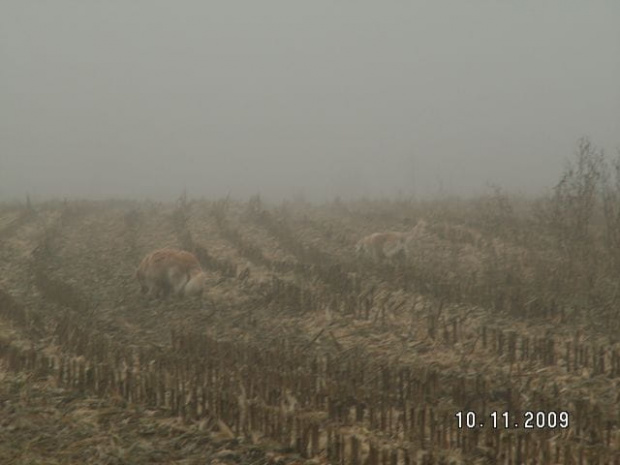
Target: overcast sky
{"x": 321, "y": 98}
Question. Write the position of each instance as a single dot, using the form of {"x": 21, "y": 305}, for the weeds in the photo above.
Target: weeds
{"x": 497, "y": 307}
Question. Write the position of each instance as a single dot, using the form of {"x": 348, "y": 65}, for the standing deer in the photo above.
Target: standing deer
{"x": 388, "y": 246}
{"x": 382, "y": 246}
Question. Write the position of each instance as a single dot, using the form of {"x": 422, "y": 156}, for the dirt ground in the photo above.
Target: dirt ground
{"x": 456, "y": 309}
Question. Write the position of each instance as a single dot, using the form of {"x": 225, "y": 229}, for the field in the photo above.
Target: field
{"x": 302, "y": 352}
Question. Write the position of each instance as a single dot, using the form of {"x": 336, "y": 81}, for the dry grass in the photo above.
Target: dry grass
{"x": 303, "y": 351}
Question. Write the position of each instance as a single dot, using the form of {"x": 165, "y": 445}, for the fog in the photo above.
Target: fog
{"x": 315, "y": 99}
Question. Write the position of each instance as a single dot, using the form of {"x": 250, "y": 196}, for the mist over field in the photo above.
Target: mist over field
{"x": 320, "y": 99}
{"x": 429, "y": 274}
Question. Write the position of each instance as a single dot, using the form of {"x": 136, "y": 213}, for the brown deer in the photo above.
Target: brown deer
{"x": 170, "y": 270}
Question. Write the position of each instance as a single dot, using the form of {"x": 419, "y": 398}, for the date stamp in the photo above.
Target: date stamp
{"x": 507, "y": 420}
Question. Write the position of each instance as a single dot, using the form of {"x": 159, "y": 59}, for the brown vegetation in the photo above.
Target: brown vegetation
{"x": 303, "y": 352}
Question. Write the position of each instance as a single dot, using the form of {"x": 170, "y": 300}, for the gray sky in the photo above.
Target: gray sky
{"x": 144, "y": 98}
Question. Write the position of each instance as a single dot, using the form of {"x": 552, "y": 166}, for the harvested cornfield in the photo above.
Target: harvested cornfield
{"x": 486, "y": 345}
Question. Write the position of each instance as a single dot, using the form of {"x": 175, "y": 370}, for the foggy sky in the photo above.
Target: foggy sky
{"x": 320, "y": 98}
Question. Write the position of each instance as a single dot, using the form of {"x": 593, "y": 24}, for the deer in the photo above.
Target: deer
{"x": 388, "y": 246}
{"x": 171, "y": 270}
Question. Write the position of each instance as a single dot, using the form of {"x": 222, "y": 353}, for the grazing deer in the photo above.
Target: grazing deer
{"x": 170, "y": 270}
{"x": 388, "y": 246}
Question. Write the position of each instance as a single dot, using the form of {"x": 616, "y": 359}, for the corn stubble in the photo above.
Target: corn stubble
{"x": 303, "y": 352}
